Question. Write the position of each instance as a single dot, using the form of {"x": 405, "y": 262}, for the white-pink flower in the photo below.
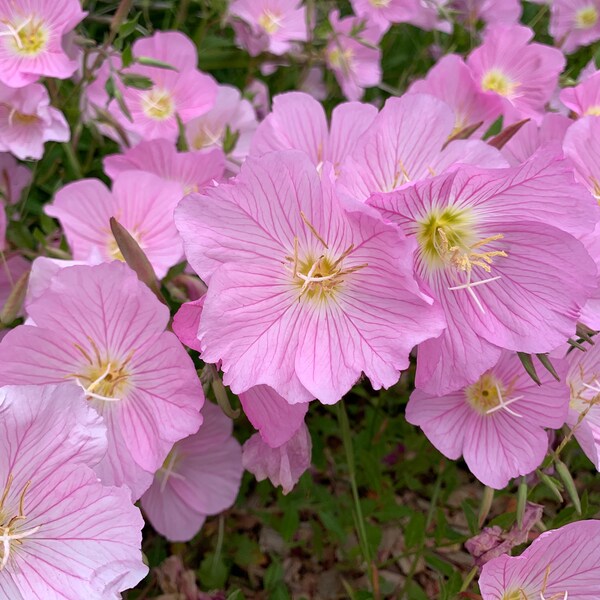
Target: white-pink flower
{"x": 31, "y": 39}
{"x": 14, "y": 178}
{"x": 63, "y": 534}
{"x": 100, "y": 327}
{"x": 27, "y": 121}
{"x": 142, "y": 202}
{"x": 200, "y": 477}
{"x": 575, "y": 23}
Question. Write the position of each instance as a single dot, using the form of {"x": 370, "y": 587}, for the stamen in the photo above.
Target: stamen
{"x": 504, "y": 405}
{"x": 6, "y": 489}
{"x": 6, "y": 538}
{"x": 314, "y": 231}
{"x": 14, "y": 32}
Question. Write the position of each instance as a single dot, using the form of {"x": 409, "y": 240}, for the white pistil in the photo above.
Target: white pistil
{"x": 565, "y": 597}
{"x": 89, "y": 389}
{"x": 593, "y": 388}
{"x": 14, "y": 32}
{"x": 504, "y": 404}
{"x": 6, "y": 538}
{"x": 168, "y": 472}
{"x": 469, "y": 285}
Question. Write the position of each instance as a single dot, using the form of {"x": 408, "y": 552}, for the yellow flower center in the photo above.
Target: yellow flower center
{"x": 101, "y": 377}
{"x": 167, "y": 470}
{"x": 206, "y": 138}
{"x": 593, "y": 111}
{"x": 380, "y": 3}
{"x": 496, "y": 81}
{"x": 319, "y": 277}
{"x": 27, "y": 37}
{"x": 12, "y": 523}
{"x": 113, "y": 247}
{"x": 270, "y": 21}
{"x": 489, "y": 395}
{"x": 158, "y": 104}
{"x": 21, "y": 118}
{"x": 515, "y": 595}
{"x": 587, "y": 17}
{"x": 341, "y": 59}
{"x": 447, "y": 239}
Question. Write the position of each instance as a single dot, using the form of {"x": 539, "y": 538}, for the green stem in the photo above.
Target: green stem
{"x": 72, "y": 160}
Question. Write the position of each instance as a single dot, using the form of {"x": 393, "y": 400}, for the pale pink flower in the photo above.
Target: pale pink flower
{"x": 192, "y": 170}
{"x": 31, "y": 39}
{"x": 298, "y": 122}
{"x": 496, "y": 423}
{"x": 269, "y": 25}
{"x": 430, "y": 15}
{"x": 407, "y": 142}
{"x": 452, "y": 81}
{"x": 142, "y": 202}
{"x": 284, "y": 465}
{"x": 65, "y": 536}
{"x": 201, "y": 476}
{"x": 582, "y": 146}
{"x": 532, "y": 136}
{"x": 186, "y": 93}
{"x": 103, "y": 329}
{"x": 575, "y": 23}
{"x": 584, "y": 411}
{"x": 229, "y": 126}
{"x": 353, "y": 54}
{"x": 488, "y": 11}
{"x": 508, "y": 273}
{"x": 383, "y": 13}
{"x": 583, "y": 99}
{"x": 275, "y": 418}
{"x": 314, "y": 84}
{"x": 522, "y": 74}
{"x": 560, "y": 564}
{"x": 27, "y": 121}
{"x": 14, "y": 178}
{"x": 258, "y": 94}
{"x": 306, "y": 291}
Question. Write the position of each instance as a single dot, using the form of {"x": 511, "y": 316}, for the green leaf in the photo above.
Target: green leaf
{"x": 414, "y": 534}
{"x": 148, "y": 61}
{"x": 567, "y": 479}
{"x": 133, "y": 80}
{"x": 527, "y": 362}
{"x": 128, "y": 27}
{"x": 213, "y": 573}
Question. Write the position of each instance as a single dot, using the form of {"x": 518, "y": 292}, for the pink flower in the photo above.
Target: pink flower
{"x": 14, "y": 178}
{"x": 192, "y": 170}
{"x": 408, "y": 141}
{"x": 584, "y": 411}
{"x": 229, "y": 126}
{"x": 426, "y": 14}
{"x": 258, "y": 94}
{"x": 508, "y": 273}
{"x": 27, "y": 121}
{"x": 143, "y": 203}
{"x": 582, "y": 146}
{"x": 65, "y": 536}
{"x": 201, "y": 476}
{"x": 298, "y": 122}
{"x": 533, "y": 136}
{"x": 284, "y": 465}
{"x": 575, "y": 23}
{"x": 353, "y": 56}
{"x": 583, "y": 99}
{"x": 186, "y": 93}
{"x": 269, "y": 25}
{"x": 488, "y": 11}
{"x": 452, "y": 81}
{"x": 102, "y": 328}
{"x": 305, "y": 292}
{"x": 31, "y": 39}
{"x": 383, "y": 13}
{"x": 561, "y": 563}
{"x": 11, "y": 270}
{"x": 522, "y": 74}
{"x": 496, "y": 423}
{"x": 314, "y": 84}
{"x": 275, "y": 418}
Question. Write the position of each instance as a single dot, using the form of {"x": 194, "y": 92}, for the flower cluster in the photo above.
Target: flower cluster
{"x": 452, "y": 231}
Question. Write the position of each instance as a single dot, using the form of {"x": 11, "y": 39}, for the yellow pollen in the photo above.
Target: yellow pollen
{"x": 27, "y": 37}
{"x": 113, "y": 248}
{"x": 490, "y": 395}
{"x": 319, "y": 277}
{"x": 341, "y": 59}
{"x": 270, "y": 21}
{"x": 593, "y": 111}
{"x": 515, "y": 595}
{"x": 205, "y": 138}
{"x": 496, "y": 81}
{"x": 21, "y": 118}
{"x": 380, "y": 3}
{"x": 12, "y": 521}
{"x": 158, "y": 104}
{"x": 586, "y": 18}
{"x": 100, "y": 377}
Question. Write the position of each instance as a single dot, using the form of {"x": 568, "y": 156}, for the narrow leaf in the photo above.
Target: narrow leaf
{"x": 464, "y": 133}
{"x": 133, "y": 80}
{"x": 567, "y": 479}
{"x": 486, "y": 505}
{"x": 521, "y": 501}
{"x": 527, "y": 362}
{"x": 14, "y": 303}
{"x": 134, "y": 256}
{"x": 153, "y": 62}
{"x": 551, "y": 485}
{"x": 545, "y": 360}
{"x": 500, "y": 140}
{"x": 586, "y": 333}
